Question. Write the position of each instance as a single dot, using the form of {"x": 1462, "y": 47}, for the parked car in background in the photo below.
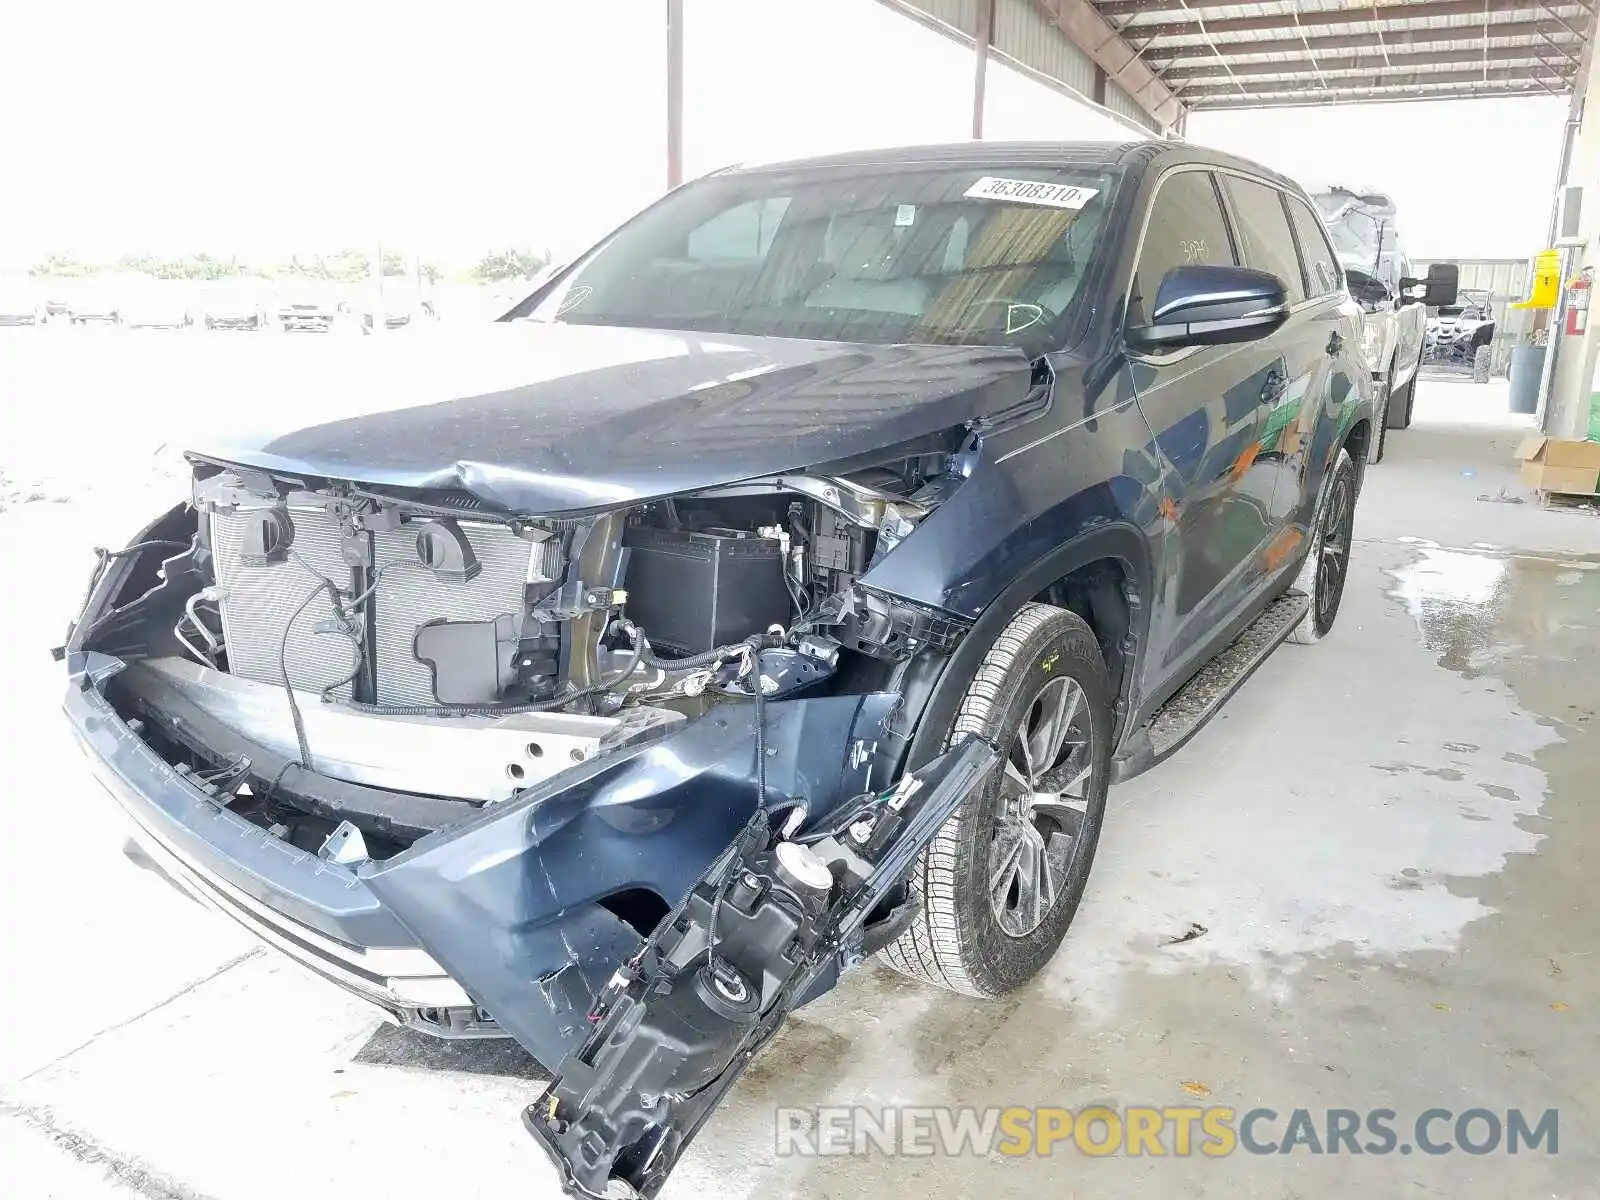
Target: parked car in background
{"x": 306, "y": 308}
{"x": 157, "y": 304}
{"x": 236, "y": 304}
{"x": 785, "y": 580}
{"x": 402, "y": 304}
{"x": 21, "y": 303}
{"x": 97, "y": 300}
{"x": 1377, "y": 272}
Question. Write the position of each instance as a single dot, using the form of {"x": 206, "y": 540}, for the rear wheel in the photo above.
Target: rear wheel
{"x": 1002, "y": 879}
{"x": 1482, "y": 361}
{"x": 1322, "y": 576}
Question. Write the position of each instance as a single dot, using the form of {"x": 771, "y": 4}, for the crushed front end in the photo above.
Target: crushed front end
{"x": 469, "y": 764}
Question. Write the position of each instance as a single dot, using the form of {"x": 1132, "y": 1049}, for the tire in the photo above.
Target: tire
{"x": 1045, "y": 664}
{"x": 1327, "y": 565}
{"x": 1403, "y": 401}
{"x": 1379, "y": 442}
{"x": 1482, "y": 360}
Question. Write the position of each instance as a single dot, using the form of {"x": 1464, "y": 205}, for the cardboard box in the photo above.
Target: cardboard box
{"x": 1557, "y": 465}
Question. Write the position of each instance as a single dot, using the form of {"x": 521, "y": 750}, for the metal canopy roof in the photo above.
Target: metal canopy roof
{"x": 1279, "y": 53}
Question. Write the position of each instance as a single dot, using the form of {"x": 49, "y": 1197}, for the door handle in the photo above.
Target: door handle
{"x": 1273, "y": 387}
{"x": 1335, "y": 342}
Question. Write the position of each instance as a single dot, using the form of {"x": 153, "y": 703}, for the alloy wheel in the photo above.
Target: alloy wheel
{"x": 1043, "y": 807}
{"x": 1334, "y": 548}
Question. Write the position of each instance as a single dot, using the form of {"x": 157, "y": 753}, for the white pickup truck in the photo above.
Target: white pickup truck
{"x": 1378, "y": 274}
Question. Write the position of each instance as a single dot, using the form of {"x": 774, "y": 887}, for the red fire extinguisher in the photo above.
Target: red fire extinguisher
{"x": 1578, "y": 292}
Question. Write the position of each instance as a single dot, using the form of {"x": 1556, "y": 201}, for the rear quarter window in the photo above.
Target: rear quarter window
{"x": 1268, "y": 244}
{"x": 1323, "y": 274}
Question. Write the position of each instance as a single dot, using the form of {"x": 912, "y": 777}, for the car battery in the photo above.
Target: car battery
{"x": 692, "y": 590}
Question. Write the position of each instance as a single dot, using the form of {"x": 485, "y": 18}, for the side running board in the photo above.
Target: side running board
{"x": 766, "y": 927}
{"x": 1192, "y": 705}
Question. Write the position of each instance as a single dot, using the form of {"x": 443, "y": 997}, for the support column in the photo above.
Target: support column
{"x": 1566, "y": 407}
{"x": 674, "y": 93}
{"x": 983, "y": 39}
{"x": 380, "y": 313}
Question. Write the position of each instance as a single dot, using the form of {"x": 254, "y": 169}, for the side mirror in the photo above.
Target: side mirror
{"x": 1366, "y": 288}
{"x": 1212, "y": 306}
{"x": 1437, "y": 289}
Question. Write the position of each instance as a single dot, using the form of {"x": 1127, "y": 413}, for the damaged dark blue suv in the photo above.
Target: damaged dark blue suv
{"x": 785, "y": 581}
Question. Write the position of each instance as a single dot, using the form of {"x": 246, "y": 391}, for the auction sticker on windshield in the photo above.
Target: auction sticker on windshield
{"x": 1031, "y": 191}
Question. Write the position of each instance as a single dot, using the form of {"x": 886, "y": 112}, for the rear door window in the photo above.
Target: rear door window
{"x": 1187, "y": 228}
{"x": 1264, "y": 232}
{"x": 1323, "y": 276}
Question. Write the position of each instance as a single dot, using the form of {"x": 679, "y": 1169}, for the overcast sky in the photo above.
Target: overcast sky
{"x": 171, "y": 126}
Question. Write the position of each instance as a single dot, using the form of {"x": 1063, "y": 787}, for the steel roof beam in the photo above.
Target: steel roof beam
{"x": 1365, "y": 17}
{"x": 1465, "y": 57}
{"x": 1381, "y": 79}
{"x": 1362, "y": 43}
{"x": 1099, "y": 39}
{"x": 1180, "y": 11}
{"x": 1317, "y": 98}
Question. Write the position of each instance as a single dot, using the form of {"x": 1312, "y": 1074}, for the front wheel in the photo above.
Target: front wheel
{"x": 1001, "y": 881}
{"x": 1379, "y": 441}
{"x": 1322, "y": 576}
{"x": 1397, "y": 413}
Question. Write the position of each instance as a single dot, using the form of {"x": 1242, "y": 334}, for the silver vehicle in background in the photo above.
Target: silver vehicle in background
{"x": 306, "y": 308}
{"x": 21, "y": 303}
{"x": 237, "y": 304}
{"x": 1378, "y": 274}
{"x": 156, "y": 304}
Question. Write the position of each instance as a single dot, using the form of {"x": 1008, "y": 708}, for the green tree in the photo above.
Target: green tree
{"x": 66, "y": 266}
{"x": 500, "y": 265}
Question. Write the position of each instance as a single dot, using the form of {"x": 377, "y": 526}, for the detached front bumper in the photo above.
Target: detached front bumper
{"x": 508, "y": 921}
{"x": 318, "y": 913}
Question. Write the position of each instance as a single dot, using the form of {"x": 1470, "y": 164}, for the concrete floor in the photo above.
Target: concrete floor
{"x": 1384, "y": 838}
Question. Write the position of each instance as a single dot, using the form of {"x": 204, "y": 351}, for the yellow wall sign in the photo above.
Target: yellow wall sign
{"x": 1546, "y": 281}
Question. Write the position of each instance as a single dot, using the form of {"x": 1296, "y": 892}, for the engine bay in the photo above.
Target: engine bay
{"x": 321, "y": 654}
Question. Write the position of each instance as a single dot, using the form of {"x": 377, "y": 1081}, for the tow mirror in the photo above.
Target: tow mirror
{"x": 1438, "y": 288}
{"x": 1211, "y": 306}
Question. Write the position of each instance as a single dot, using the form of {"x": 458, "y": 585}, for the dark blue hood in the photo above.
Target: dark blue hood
{"x": 539, "y": 418}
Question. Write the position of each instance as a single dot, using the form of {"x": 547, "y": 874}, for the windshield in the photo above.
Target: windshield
{"x": 968, "y": 256}
{"x": 1353, "y": 231}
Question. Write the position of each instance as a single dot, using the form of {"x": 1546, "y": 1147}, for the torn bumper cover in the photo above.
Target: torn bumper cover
{"x": 769, "y": 924}
{"x": 510, "y": 913}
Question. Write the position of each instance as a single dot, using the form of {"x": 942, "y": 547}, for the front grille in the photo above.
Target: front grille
{"x": 258, "y": 602}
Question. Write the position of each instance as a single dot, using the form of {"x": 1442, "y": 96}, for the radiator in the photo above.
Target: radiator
{"x": 259, "y": 601}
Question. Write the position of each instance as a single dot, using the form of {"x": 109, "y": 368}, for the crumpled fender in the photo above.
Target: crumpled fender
{"x": 509, "y": 903}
